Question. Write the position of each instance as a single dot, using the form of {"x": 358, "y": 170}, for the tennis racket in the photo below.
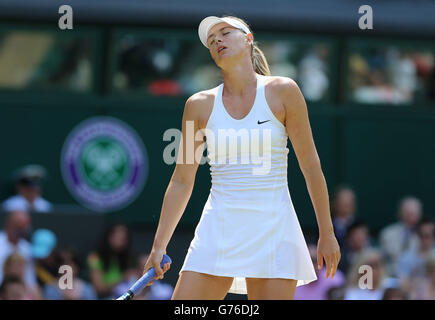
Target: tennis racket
{"x": 137, "y": 287}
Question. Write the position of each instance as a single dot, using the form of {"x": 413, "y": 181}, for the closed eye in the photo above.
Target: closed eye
{"x": 212, "y": 41}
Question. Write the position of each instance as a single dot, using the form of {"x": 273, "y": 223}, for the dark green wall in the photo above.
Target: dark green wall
{"x": 384, "y": 156}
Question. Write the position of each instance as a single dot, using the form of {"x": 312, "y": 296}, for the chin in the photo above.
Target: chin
{"x": 223, "y": 60}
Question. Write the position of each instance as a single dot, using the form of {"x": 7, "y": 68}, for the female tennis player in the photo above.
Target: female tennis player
{"x": 248, "y": 240}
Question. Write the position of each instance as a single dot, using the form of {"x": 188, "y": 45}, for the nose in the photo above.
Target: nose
{"x": 217, "y": 39}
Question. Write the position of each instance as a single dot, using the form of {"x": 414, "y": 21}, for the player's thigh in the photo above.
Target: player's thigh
{"x": 201, "y": 286}
{"x": 270, "y": 289}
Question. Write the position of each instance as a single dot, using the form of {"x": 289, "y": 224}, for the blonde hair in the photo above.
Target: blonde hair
{"x": 258, "y": 59}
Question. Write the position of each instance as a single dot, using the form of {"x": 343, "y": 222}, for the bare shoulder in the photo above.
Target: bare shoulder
{"x": 288, "y": 92}
{"x": 282, "y": 94}
{"x": 283, "y": 85}
{"x": 199, "y": 106}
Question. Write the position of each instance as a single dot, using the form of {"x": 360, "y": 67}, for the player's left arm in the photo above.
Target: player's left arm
{"x": 299, "y": 131}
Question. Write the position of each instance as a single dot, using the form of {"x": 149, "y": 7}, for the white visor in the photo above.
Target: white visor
{"x": 208, "y": 22}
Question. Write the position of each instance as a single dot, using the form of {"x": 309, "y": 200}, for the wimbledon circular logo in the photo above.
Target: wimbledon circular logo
{"x": 104, "y": 164}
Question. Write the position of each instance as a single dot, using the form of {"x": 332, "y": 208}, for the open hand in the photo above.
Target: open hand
{"x": 328, "y": 249}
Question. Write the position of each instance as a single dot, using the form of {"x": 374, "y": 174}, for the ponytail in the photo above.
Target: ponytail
{"x": 259, "y": 61}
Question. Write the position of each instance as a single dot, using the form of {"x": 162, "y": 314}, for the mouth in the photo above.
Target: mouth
{"x": 220, "y": 49}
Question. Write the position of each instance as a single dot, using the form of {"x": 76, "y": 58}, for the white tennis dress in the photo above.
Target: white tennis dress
{"x": 248, "y": 227}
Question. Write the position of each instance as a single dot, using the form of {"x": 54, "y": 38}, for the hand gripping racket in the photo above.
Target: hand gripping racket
{"x": 137, "y": 287}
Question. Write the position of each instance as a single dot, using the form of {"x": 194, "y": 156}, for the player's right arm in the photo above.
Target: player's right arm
{"x": 181, "y": 184}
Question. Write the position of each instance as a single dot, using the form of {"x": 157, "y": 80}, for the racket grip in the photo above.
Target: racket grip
{"x": 148, "y": 276}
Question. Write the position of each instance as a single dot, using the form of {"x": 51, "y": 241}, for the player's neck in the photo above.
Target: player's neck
{"x": 238, "y": 82}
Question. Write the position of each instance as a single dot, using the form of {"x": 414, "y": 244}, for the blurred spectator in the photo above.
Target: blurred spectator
{"x": 153, "y": 63}
{"x": 81, "y": 290}
{"x": 357, "y": 240}
{"x": 29, "y": 191}
{"x": 72, "y": 67}
{"x": 336, "y": 293}
{"x": 394, "y": 294}
{"x": 317, "y": 290}
{"x": 45, "y": 256}
{"x": 403, "y": 73}
{"x": 412, "y": 263}
{"x": 204, "y": 76}
{"x": 313, "y": 73}
{"x": 401, "y": 236}
{"x": 372, "y": 258}
{"x": 158, "y": 291}
{"x": 343, "y": 211}
{"x": 13, "y": 288}
{"x": 13, "y": 239}
{"x": 165, "y": 87}
{"x": 112, "y": 262}
{"x": 278, "y": 55}
{"x": 15, "y": 266}
{"x": 424, "y": 289}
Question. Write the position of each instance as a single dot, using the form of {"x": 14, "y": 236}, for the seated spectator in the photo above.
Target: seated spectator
{"x": 12, "y": 288}
{"x": 313, "y": 73}
{"x": 336, "y": 293}
{"x": 81, "y": 290}
{"x": 372, "y": 289}
{"x": 394, "y": 294}
{"x": 158, "y": 291}
{"x": 112, "y": 262}
{"x": 411, "y": 264}
{"x": 13, "y": 239}
{"x": 15, "y": 266}
{"x": 317, "y": 290}
{"x": 29, "y": 191}
{"x": 356, "y": 241}
{"x": 343, "y": 211}
{"x": 424, "y": 288}
{"x": 401, "y": 236}
{"x": 45, "y": 256}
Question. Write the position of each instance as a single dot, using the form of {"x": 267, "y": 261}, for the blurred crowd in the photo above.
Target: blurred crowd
{"x": 397, "y": 263}
{"x": 174, "y": 67}
{"x": 31, "y": 262}
{"x": 37, "y": 269}
{"x": 391, "y": 76}
{"x": 376, "y": 74}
